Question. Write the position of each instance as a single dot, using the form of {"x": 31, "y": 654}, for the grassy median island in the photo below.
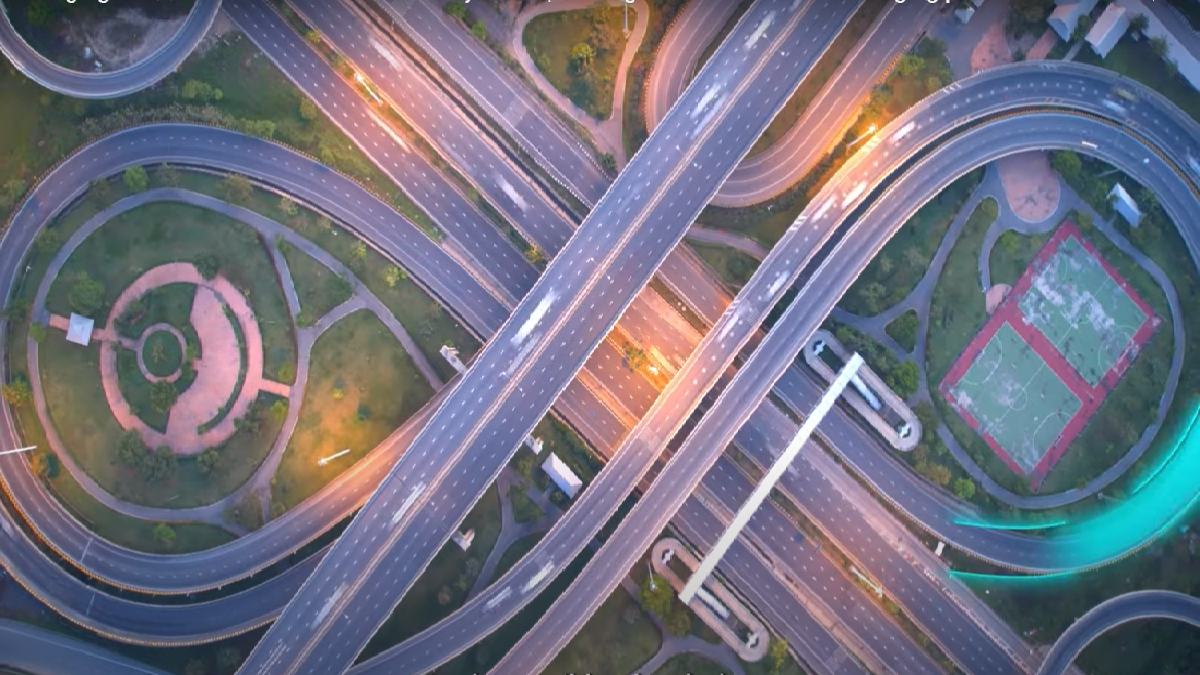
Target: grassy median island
{"x": 731, "y": 265}
{"x": 578, "y": 52}
{"x": 158, "y": 233}
{"x": 319, "y": 288}
{"x": 618, "y": 638}
{"x": 902, "y": 262}
{"x": 515, "y": 551}
{"x": 143, "y": 238}
{"x": 362, "y": 386}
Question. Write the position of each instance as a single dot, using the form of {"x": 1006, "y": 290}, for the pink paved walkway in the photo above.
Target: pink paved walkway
{"x": 216, "y": 372}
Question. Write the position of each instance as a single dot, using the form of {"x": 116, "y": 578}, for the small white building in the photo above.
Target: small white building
{"x": 79, "y": 329}
{"x": 964, "y": 14}
{"x": 1125, "y": 205}
{"x": 561, "y": 474}
{"x": 1066, "y": 15}
{"x": 1108, "y": 29}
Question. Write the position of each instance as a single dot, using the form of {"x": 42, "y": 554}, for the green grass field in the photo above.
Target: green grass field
{"x": 79, "y": 411}
{"x": 549, "y": 39}
{"x": 902, "y": 262}
{"x": 732, "y": 266}
{"x": 609, "y": 642}
{"x": 356, "y": 365}
{"x": 170, "y": 304}
{"x": 690, "y": 664}
{"x": 957, "y": 309}
{"x": 319, "y": 288}
{"x": 158, "y": 233}
{"x": 1012, "y": 254}
{"x": 524, "y": 509}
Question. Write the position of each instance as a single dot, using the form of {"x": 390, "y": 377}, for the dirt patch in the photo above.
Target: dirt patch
{"x": 1030, "y": 185}
{"x": 121, "y": 39}
{"x": 992, "y": 49}
{"x": 994, "y": 296}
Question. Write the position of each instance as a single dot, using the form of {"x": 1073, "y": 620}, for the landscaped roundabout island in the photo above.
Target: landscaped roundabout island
{"x": 188, "y": 363}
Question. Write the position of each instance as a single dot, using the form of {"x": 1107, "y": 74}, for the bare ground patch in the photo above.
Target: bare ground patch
{"x": 1031, "y": 187}
{"x": 122, "y": 39}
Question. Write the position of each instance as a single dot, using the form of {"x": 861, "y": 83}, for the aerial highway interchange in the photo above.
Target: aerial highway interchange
{"x": 554, "y": 353}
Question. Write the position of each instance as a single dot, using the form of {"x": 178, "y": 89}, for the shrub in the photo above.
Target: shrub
{"x": 135, "y": 179}
{"x": 164, "y": 533}
{"x": 45, "y": 464}
{"x": 18, "y": 393}
{"x": 17, "y": 309}
{"x": 87, "y": 295}
{"x": 47, "y": 242}
{"x": 456, "y": 9}
{"x": 37, "y": 331}
{"x": 207, "y": 265}
{"x": 163, "y": 395}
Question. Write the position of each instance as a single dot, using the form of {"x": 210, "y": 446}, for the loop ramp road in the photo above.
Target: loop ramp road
{"x": 113, "y": 84}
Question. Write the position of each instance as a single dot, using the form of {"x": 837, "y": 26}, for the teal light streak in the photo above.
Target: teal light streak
{"x": 1179, "y": 442}
{"x": 1011, "y": 578}
{"x": 1155, "y": 505}
{"x": 997, "y": 525}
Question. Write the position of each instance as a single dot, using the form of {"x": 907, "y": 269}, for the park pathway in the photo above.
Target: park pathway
{"x": 607, "y": 133}
{"x": 270, "y": 230}
{"x": 510, "y": 530}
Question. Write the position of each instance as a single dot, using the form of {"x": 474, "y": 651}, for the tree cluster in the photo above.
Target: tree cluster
{"x": 932, "y": 459}
{"x": 901, "y": 377}
{"x": 133, "y": 452}
{"x": 195, "y": 90}
{"x": 86, "y": 296}
{"x": 657, "y": 596}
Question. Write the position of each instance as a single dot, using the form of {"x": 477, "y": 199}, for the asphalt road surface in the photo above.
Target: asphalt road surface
{"x": 509, "y": 386}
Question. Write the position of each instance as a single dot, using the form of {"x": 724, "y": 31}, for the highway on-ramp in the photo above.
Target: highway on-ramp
{"x": 121, "y": 82}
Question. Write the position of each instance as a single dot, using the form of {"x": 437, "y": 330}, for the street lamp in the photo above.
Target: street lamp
{"x": 870, "y": 130}
{"x": 358, "y": 77}
{"x": 325, "y": 460}
{"x": 13, "y": 452}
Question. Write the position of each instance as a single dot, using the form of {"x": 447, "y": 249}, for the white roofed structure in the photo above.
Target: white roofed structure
{"x": 1108, "y": 29}
{"x": 79, "y": 329}
{"x": 1125, "y": 205}
{"x": 561, "y": 474}
{"x": 1066, "y": 15}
